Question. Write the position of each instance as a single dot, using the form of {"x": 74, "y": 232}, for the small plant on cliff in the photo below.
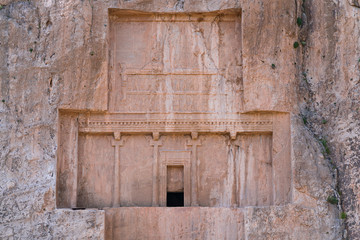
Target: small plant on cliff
{"x": 296, "y": 44}
{"x": 273, "y": 66}
{"x": 92, "y": 53}
{"x": 31, "y": 50}
{"x": 304, "y": 120}
{"x": 1, "y": 6}
{"x": 332, "y": 200}
{"x": 299, "y": 21}
{"x": 303, "y": 43}
{"x": 343, "y": 215}
{"x": 305, "y": 77}
{"x": 325, "y": 145}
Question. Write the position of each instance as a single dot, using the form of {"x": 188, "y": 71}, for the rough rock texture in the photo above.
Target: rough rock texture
{"x": 328, "y": 83}
{"x": 53, "y": 54}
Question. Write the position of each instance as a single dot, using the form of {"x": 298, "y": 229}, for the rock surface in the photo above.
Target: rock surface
{"x": 53, "y": 54}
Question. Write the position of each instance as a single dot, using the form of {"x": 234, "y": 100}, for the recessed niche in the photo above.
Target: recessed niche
{"x": 175, "y": 186}
{"x": 173, "y": 128}
{"x": 212, "y": 170}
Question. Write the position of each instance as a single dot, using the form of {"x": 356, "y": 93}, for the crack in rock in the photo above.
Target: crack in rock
{"x": 354, "y": 3}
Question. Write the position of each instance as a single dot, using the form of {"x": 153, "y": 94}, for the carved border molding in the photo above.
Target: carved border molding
{"x": 119, "y": 15}
{"x": 136, "y": 126}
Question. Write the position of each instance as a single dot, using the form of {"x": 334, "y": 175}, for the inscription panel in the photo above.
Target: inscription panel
{"x": 182, "y": 63}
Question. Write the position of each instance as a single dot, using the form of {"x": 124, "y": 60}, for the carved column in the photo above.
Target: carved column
{"x": 156, "y": 143}
{"x": 235, "y": 144}
{"x": 194, "y": 142}
{"x": 117, "y": 143}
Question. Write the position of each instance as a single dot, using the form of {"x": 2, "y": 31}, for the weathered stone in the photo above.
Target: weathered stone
{"x": 174, "y": 223}
{"x": 210, "y": 92}
{"x": 354, "y": 3}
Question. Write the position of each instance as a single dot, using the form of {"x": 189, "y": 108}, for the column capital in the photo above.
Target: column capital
{"x": 117, "y": 135}
{"x": 194, "y": 135}
{"x": 117, "y": 141}
{"x": 233, "y": 134}
{"x": 156, "y": 136}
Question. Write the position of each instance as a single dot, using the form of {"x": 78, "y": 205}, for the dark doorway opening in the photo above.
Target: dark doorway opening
{"x": 175, "y": 199}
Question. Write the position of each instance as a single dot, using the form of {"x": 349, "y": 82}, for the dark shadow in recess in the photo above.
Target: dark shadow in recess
{"x": 175, "y": 199}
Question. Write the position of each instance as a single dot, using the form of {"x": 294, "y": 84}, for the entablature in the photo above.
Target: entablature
{"x": 108, "y": 123}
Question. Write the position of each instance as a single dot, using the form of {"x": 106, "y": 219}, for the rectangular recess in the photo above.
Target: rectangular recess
{"x": 156, "y": 57}
{"x": 175, "y": 179}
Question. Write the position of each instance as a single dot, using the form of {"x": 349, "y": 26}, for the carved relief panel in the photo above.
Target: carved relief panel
{"x": 175, "y": 63}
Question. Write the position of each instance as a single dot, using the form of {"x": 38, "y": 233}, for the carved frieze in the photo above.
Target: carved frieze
{"x": 117, "y": 122}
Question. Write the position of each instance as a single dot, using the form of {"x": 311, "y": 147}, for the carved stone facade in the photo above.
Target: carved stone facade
{"x": 179, "y": 119}
{"x": 106, "y": 162}
{"x": 174, "y": 124}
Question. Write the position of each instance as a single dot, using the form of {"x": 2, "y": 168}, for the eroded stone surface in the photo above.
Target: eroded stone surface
{"x": 329, "y": 96}
{"x": 55, "y": 55}
{"x": 291, "y": 222}
{"x": 175, "y": 63}
{"x": 174, "y": 223}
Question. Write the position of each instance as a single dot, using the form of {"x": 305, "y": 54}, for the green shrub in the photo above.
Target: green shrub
{"x": 332, "y": 200}
{"x": 325, "y": 145}
{"x": 299, "y": 21}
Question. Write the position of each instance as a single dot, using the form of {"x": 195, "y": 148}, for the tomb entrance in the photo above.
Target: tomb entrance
{"x": 175, "y": 132}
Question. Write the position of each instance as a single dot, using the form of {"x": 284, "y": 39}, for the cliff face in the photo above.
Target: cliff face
{"x": 328, "y": 78}
{"x": 54, "y": 55}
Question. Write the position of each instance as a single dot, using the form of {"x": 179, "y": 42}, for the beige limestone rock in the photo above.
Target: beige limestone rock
{"x": 57, "y": 55}
{"x": 174, "y": 223}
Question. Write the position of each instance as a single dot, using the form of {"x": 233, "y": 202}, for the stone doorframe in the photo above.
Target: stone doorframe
{"x": 175, "y": 158}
